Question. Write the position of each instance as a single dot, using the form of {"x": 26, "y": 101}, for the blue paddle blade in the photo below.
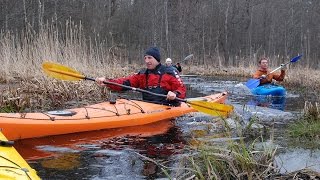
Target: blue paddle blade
{"x": 253, "y": 83}
{"x": 295, "y": 59}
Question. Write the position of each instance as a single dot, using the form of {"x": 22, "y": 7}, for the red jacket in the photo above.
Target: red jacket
{"x": 159, "y": 80}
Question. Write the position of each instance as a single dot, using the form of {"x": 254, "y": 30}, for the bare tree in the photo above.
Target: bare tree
{"x": 217, "y": 32}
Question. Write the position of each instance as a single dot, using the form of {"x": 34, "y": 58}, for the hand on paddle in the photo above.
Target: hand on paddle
{"x": 283, "y": 67}
{"x": 171, "y": 95}
{"x": 100, "y": 81}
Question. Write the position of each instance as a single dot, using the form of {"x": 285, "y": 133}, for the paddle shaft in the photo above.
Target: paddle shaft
{"x": 155, "y": 94}
{"x": 295, "y": 59}
{"x": 279, "y": 68}
{"x": 186, "y": 58}
{"x": 108, "y": 82}
{"x": 136, "y": 89}
{"x": 113, "y": 83}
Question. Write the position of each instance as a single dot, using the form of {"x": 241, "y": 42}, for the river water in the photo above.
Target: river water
{"x": 124, "y": 153}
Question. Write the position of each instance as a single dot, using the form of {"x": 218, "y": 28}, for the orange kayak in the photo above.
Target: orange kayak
{"x": 104, "y": 115}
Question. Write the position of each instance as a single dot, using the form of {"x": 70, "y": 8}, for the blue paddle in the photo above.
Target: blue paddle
{"x": 253, "y": 83}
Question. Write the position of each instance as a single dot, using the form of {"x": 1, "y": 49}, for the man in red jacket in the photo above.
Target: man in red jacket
{"x": 156, "y": 78}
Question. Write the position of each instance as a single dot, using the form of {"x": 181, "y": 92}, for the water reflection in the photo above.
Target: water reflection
{"x": 274, "y": 102}
{"x": 106, "y": 154}
{"x": 38, "y": 148}
{"x": 66, "y": 161}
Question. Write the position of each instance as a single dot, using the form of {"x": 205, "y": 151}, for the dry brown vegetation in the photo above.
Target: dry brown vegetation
{"x": 25, "y": 87}
{"x": 42, "y": 94}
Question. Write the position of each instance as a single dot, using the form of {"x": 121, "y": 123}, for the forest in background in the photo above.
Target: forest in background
{"x": 218, "y": 32}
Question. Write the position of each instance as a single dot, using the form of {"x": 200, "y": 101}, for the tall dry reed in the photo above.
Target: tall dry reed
{"x": 41, "y": 94}
{"x": 25, "y": 87}
{"x": 22, "y": 55}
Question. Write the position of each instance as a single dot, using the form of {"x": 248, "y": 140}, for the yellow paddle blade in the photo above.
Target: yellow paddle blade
{"x": 62, "y": 72}
{"x": 212, "y": 108}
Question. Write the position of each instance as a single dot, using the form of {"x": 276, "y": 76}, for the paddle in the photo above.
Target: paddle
{"x": 187, "y": 58}
{"x": 253, "y": 83}
{"x": 65, "y": 73}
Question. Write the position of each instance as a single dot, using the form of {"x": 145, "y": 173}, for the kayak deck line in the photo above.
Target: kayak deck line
{"x": 52, "y": 115}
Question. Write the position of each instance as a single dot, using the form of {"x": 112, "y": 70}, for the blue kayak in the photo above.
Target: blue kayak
{"x": 269, "y": 89}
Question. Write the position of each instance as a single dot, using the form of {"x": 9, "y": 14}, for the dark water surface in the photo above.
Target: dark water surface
{"x": 122, "y": 153}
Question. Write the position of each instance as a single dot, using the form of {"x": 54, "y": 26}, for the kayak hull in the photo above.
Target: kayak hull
{"x": 12, "y": 165}
{"x": 269, "y": 89}
{"x": 106, "y": 115}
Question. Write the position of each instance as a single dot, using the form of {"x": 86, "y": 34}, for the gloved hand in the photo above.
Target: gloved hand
{"x": 283, "y": 67}
{"x": 263, "y": 76}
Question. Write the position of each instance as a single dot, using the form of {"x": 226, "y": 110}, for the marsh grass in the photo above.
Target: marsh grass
{"x": 241, "y": 159}
{"x": 308, "y": 126}
{"x": 237, "y": 160}
{"x": 21, "y": 57}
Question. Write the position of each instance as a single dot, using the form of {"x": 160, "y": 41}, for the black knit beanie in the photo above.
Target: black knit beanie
{"x": 154, "y": 52}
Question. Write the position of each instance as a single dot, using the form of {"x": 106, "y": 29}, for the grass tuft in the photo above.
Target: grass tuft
{"x": 308, "y": 126}
{"x": 237, "y": 161}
